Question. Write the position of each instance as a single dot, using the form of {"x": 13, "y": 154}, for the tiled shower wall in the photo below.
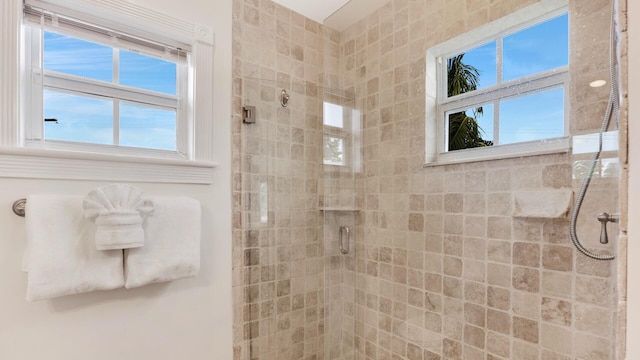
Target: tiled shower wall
{"x": 624, "y": 182}
{"x": 443, "y": 270}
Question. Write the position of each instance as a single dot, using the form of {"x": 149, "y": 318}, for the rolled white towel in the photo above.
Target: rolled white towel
{"x": 118, "y": 211}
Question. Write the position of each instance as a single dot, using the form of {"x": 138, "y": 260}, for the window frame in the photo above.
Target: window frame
{"x": 37, "y": 79}
{"x": 348, "y": 133}
{"x": 438, "y": 103}
{"x": 18, "y": 159}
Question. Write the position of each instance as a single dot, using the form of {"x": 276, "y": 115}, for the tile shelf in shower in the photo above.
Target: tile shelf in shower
{"x": 338, "y": 209}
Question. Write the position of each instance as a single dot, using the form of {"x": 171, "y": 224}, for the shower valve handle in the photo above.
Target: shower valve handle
{"x": 604, "y": 218}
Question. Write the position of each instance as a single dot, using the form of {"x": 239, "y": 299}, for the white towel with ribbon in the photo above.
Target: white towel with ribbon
{"x": 61, "y": 257}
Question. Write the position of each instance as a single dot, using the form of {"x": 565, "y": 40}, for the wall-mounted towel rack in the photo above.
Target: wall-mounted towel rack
{"x": 18, "y": 207}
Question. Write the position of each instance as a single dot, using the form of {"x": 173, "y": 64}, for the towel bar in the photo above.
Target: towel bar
{"x": 18, "y": 207}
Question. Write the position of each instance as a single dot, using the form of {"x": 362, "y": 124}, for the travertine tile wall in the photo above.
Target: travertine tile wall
{"x": 624, "y": 181}
{"x": 442, "y": 269}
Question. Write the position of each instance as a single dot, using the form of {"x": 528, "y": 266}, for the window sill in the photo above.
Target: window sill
{"x": 71, "y": 165}
{"x": 529, "y": 148}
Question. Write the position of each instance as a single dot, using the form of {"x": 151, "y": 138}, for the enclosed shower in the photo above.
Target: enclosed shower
{"x": 346, "y": 246}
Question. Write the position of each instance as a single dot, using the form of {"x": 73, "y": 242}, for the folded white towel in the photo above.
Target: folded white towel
{"x": 61, "y": 257}
{"x": 172, "y": 243}
{"x": 118, "y": 211}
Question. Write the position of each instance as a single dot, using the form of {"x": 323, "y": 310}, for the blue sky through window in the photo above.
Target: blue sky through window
{"x": 542, "y": 47}
{"x": 539, "y": 48}
{"x": 86, "y": 118}
{"x": 532, "y": 117}
{"x": 79, "y": 118}
{"x": 483, "y": 58}
{"x": 77, "y": 57}
{"x": 147, "y": 127}
{"x": 142, "y": 72}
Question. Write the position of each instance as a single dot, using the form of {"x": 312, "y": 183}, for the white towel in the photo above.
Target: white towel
{"x": 118, "y": 211}
{"x": 61, "y": 257}
{"x": 172, "y": 243}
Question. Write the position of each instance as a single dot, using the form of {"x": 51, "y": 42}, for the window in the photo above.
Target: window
{"x": 342, "y": 138}
{"x": 114, "y": 149}
{"x": 503, "y": 84}
{"x": 101, "y": 89}
{"x": 336, "y": 135}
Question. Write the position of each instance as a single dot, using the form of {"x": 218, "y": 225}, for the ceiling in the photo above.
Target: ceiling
{"x": 337, "y": 14}
{"x": 317, "y": 10}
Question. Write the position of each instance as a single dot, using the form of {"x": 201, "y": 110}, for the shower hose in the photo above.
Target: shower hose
{"x": 612, "y": 109}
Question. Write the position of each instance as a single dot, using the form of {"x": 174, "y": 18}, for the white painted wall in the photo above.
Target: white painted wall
{"x": 185, "y": 319}
{"x": 633, "y": 272}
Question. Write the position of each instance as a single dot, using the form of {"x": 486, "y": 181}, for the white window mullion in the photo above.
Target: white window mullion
{"x": 546, "y": 79}
{"x": 182, "y": 111}
{"x": 99, "y": 88}
{"x": 116, "y": 121}
{"x": 116, "y": 101}
{"x": 567, "y": 108}
{"x": 479, "y": 97}
{"x": 34, "y": 113}
{"x": 116, "y": 66}
{"x": 499, "y": 61}
{"x": 496, "y": 122}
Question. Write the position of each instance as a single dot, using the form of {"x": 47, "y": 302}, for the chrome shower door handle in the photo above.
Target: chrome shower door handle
{"x": 344, "y": 230}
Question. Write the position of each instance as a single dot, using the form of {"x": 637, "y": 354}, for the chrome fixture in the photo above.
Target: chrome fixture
{"x": 604, "y": 218}
{"x": 249, "y": 114}
{"x": 344, "y": 230}
{"x": 284, "y": 98}
{"x": 18, "y": 207}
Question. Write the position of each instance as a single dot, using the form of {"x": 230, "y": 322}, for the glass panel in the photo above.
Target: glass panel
{"x": 77, "y": 57}
{"x": 333, "y": 115}
{"x": 147, "y": 127}
{"x": 334, "y": 150}
{"x": 77, "y": 118}
{"x": 147, "y": 73}
{"x": 532, "y": 117}
{"x": 472, "y": 70}
{"x": 341, "y": 233}
{"x": 536, "y": 49}
{"x": 471, "y": 128}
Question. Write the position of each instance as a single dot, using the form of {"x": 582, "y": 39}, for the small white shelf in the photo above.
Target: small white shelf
{"x": 339, "y": 209}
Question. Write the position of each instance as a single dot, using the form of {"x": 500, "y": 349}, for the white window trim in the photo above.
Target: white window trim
{"x": 434, "y": 126}
{"x": 16, "y": 160}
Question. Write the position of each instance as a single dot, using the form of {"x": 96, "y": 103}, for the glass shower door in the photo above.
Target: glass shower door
{"x": 341, "y": 164}
{"x": 282, "y": 251}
